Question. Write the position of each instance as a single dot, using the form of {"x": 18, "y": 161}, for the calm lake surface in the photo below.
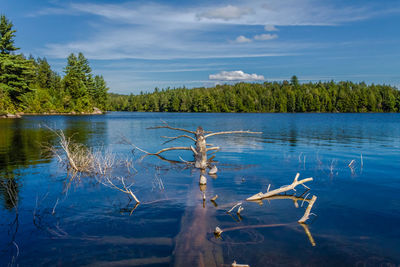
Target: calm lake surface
{"x": 45, "y": 220}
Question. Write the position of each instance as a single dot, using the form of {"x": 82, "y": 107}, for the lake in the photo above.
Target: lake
{"x": 354, "y": 159}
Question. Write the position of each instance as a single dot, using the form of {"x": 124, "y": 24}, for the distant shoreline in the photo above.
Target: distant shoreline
{"x": 72, "y": 113}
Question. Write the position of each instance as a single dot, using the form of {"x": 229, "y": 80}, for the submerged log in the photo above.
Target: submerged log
{"x": 192, "y": 247}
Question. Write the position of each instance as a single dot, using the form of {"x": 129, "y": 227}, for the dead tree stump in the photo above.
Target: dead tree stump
{"x": 201, "y": 160}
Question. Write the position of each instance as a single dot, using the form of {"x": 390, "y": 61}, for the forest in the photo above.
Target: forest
{"x": 286, "y": 96}
{"x": 29, "y": 85}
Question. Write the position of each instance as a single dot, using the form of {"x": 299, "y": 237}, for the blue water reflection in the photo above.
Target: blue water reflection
{"x": 357, "y": 208}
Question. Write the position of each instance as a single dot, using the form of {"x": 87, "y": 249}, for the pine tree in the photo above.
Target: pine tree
{"x": 100, "y": 92}
{"x": 74, "y": 84}
{"x": 6, "y": 36}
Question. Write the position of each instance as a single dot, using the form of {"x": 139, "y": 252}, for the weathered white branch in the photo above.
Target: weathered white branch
{"x": 177, "y": 137}
{"x": 237, "y": 204}
{"x": 291, "y": 197}
{"x": 125, "y": 189}
{"x": 170, "y": 148}
{"x": 240, "y": 209}
{"x": 193, "y": 150}
{"x": 213, "y": 148}
{"x": 308, "y": 210}
{"x": 281, "y": 189}
{"x": 231, "y": 132}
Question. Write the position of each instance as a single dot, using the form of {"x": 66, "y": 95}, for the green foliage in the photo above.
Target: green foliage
{"x": 6, "y": 36}
{"x": 267, "y": 97}
{"x": 99, "y": 96}
{"x": 31, "y": 85}
{"x": 16, "y": 75}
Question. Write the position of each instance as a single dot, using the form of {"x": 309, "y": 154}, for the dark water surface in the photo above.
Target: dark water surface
{"x": 43, "y": 221}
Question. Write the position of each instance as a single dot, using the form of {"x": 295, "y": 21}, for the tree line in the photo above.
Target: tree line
{"x": 286, "y": 96}
{"x": 30, "y": 85}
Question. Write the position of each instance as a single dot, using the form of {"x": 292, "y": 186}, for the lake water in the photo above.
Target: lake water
{"x": 46, "y": 220}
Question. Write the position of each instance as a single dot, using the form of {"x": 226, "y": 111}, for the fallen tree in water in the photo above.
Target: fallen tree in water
{"x": 200, "y": 149}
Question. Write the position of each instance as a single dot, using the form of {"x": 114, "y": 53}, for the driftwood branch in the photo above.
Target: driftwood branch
{"x": 177, "y": 137}
{"x": 308, "y": 210}
{"x": 166, "y": 126}
{"x": 125, "y": 189}
{"x": 282, "y": 189}
{"x": 170, "y": 148}
{"x": 213, "y": 148}
{"x": 231, "y": 132}
{"x": 291, "y": 197}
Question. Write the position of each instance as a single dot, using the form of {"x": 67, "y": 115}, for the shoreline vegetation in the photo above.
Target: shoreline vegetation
{"x": 268, "y": 97}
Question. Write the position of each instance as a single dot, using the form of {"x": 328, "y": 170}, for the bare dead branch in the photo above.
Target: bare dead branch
{"x": 125, "y": 189}
{"x": 308, "y": 210}
{"x": 213, "y": 148}
{"x": 281, "y": 189}
{"x": 193, "y": 150}
{"x": 127, "y": 141}
{"x": 291, "y": 197}
{"x": 214, "y": 198}
{"x": 231, "y": 132}
{"x": 166, "y": 126}
{"x": 177, "y": 137}
{"x": 169, "y": 149}
{"x": 237, "y": 204}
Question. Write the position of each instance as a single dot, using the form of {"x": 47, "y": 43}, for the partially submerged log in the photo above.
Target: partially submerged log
{"x": 282, "y": 189}
{"x": 192, "y": 246}
{"x": 293, "y": 197}
{"x": 200, "y": 150}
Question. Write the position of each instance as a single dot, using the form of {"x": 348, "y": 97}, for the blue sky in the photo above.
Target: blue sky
{"x": 139, "y": 45}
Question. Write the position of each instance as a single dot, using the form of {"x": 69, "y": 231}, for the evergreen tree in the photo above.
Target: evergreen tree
{"x": 100, "y": 92}
{"x": 74, "y": 84}
{"x": 6, "y": 36}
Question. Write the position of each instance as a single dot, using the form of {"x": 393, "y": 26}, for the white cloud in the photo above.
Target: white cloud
{"x": 166, "y": 31}
{"x": 243, "y": 39}
{"x": 236, "y": 75}
{"x": 265, "y": 37}
{"x": 226, "y": 13}
{"x": 270, "y": 28}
